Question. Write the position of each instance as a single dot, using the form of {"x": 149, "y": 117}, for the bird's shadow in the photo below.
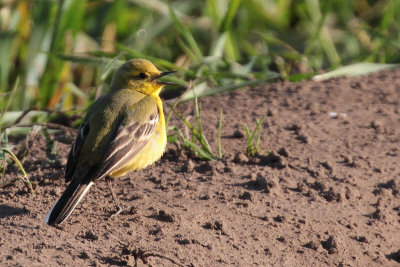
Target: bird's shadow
{"x": 394, "y": 256}
{"x": 7, "y": 211}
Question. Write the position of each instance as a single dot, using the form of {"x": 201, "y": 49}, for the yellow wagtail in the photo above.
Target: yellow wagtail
{"x": 123, "y": 131}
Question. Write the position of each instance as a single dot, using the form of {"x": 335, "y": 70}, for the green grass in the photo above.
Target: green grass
{"x": 56, "y": 47}
{"x": 219, "y": 135}
{"x": 197, "y": 144}
{"x": 4, "y": 151}
{"x": 253, "y": 138}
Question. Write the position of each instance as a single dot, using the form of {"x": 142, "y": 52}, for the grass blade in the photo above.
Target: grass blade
{"x": 186, "y": 34}
{"x": 252, "y": 148}
{"x": 21, "y": 168}
{"x": 229, "y": 16}
{"x": 355, "y": 70}
{"x": 4, "y": 111}
{"x": 202, "y": 89}
{"x": 219, "y": 135}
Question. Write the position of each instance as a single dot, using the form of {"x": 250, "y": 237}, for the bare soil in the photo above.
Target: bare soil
{"x": 325, "y": 191}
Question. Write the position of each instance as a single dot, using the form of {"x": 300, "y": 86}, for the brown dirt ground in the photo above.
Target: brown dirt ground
{"x": 327, "y": 195}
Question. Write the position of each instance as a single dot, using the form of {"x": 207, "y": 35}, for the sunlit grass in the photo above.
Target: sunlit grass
{"x": 219, "y": 135}
{"x": 197, "y": 143}
{"x": 218, "y": 44}
{"x": 5, "y": 151}
{"x": 253, "y": 138}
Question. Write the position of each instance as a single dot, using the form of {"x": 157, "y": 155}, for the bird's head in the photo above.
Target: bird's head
{"x": 139, "y": 75}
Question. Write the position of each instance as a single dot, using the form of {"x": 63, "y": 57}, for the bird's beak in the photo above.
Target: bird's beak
{"x": 166, "y": 73}
{"x": 163, "y": 74}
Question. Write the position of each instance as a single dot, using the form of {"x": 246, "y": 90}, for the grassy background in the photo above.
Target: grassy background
{"x": 57, "y": 56}
{"x": 54, "y": 54}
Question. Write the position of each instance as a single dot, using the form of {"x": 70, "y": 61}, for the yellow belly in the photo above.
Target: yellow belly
{"x": 149, "y": 154}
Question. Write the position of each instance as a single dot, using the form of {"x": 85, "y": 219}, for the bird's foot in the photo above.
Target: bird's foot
{"x": 128, "y": 210}
{"x": 115, "y": 214}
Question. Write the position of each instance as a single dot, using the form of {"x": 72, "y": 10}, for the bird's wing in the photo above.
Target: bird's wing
{"x": 75, "y": 150}
{"x": 131, "y": 137}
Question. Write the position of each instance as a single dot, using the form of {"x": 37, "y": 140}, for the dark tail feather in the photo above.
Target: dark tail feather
{"x": 67, "y": 202}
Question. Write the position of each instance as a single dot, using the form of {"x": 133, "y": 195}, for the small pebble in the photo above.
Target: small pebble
{"x": 238, "y": 133}
{"x": 240, "y": 157}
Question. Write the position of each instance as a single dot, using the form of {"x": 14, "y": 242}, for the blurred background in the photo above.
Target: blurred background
{"x": 59, "y": 55}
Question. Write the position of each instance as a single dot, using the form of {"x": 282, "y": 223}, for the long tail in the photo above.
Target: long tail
{"x": 67, "y": 202}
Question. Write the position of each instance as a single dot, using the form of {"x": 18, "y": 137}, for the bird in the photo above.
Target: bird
{"x": 122, "y": 131}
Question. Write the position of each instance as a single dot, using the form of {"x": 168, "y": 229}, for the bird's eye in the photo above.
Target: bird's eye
{"x": 142, "y": 75}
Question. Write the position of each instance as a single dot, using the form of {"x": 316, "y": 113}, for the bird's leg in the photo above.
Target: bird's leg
{"x": 116, "y": 200}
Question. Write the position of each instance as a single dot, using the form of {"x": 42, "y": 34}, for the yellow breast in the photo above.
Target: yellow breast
{"x": 150, "y": 153}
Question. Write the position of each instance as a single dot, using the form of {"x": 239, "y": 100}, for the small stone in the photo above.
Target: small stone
{"x": 205, "y": 197}
{"x": 347, "y": 193}
{"x": 361, "y": 239}
{"x": 90, "y": 235}
{"x": 267, "y": 251}
{"x": 279, "y": 218}
{"x": 155, "y": 180}
{"x": 327, "y": 165}
{"x": 204, "y": 168}
{"x": 18, "y": 249}
{"x": 188, "y": 166}
{"x": 378, "y": 214}
{"x": 165, "y": 217}
{"x": 294, "y": 127}
{"x": 281, "y": 239}
{"x": 349, "y": 160}
{"x": 265, "y": 184}
{"x": 56, "y": 191}
{"x": 377, "y": 125}
{"x": 312, "y": 245}
{"x": 331, "y": 195}
{"x": 253, "y": 176}
{"x": 306, "y": 139}
{"x": 301, "y": 187}
{"x": 271, "y": 112}
{"x": 240, "y": 157}
{"x": 273, "y": 160}
{"x": 83, "y": 255}
{"x": 283, "y": 152}
{"x": 261, "y": 181}
{"x": 218, "y": 166}
{"x": 217, "y": 225}
{"x": 330, "y": 245}
{"x": 184, "y": 241}
{"x": 319, "y": 186}
{"x": 231, "y": 169}
{"x": 238, "y": 134}
{"x": 246, "y": 196}
{"x": 313, "y": 108}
